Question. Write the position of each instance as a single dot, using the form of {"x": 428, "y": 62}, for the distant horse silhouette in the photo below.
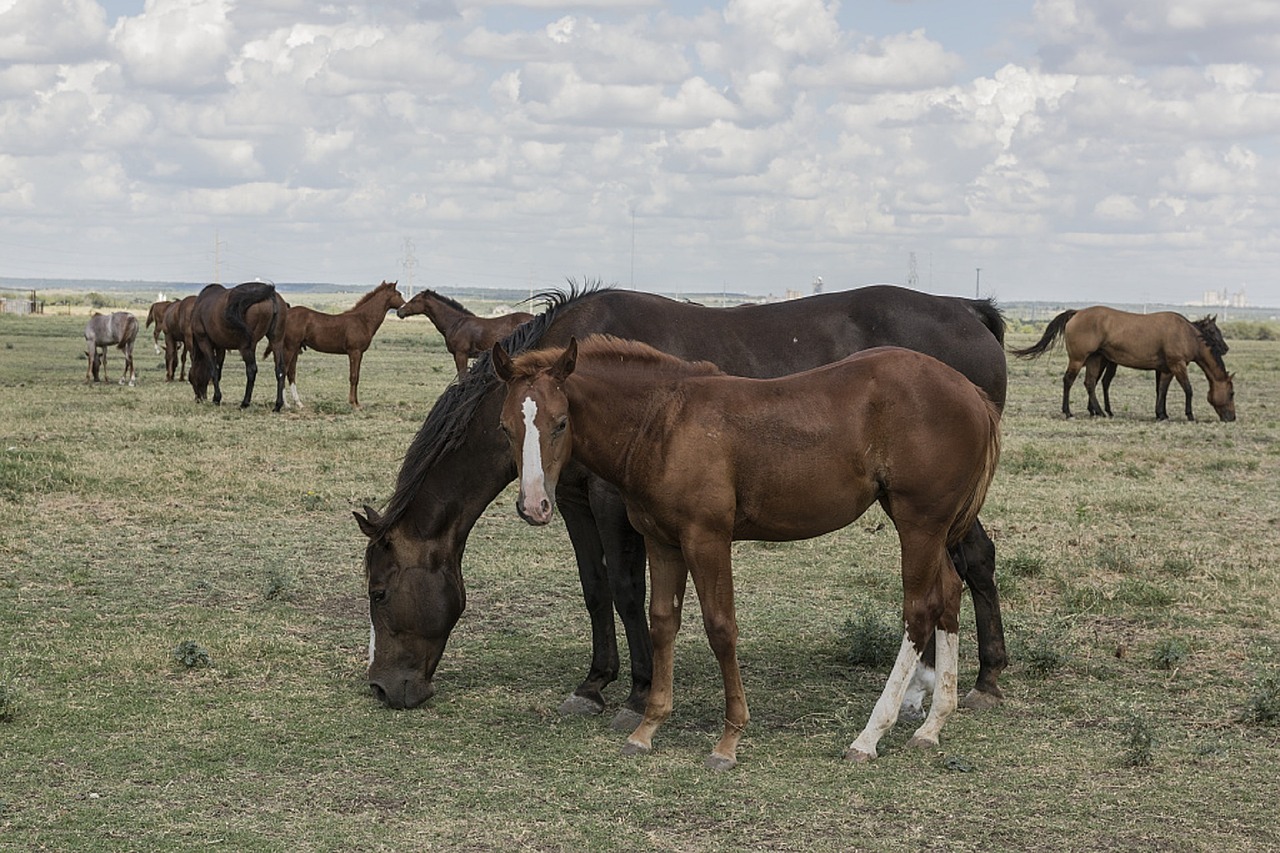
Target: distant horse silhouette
{"x": 465, "y": 335}
{"x": 703, "y": 459}
{"x": 155, "y": 314}
{"x": 106, "y": 330}
{"x": 1098, "y": 338}
{"x": 177, "y": 337}
{"x": 237, "y": 319}
{"x": 349, "y": 332}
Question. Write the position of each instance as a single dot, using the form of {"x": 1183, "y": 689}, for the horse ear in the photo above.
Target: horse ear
{"x": 502, "y": 363}
{"x": 567, "y": 361}
{"x": 369, "y": 521}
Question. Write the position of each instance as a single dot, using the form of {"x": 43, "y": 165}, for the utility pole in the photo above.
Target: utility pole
{"x": 217, "y": 258}
{"x": 633, "y": 246}
{"x": 977, "y": 286}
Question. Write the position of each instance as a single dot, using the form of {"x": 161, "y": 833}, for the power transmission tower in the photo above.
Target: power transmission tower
{"x": 410, "y": 261}
{"x": 913, "y": 277}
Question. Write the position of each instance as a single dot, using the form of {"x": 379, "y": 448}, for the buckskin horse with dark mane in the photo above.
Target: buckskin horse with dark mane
{"x": 702, "y": 460}
{"x": 235, "y": 319}
{"x": 459, "y": 462}
{"x": 350, "y": 332}
{"x": 466, "y": 336}
{"x": 1099, "y": 338}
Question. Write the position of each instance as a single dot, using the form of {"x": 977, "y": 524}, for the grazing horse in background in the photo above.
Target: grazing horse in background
{"x": 155, "y": 314}
{"x": 702, "y": 460}
{"x": 459, "y": 462}
{"x": 237, "y": 318}
{"x": 177, "y": 337}
{"x": 349, "y": 332}
{"x": 465, "y": 335}
{"x": 1165, "y": 342}
{"x": 106, "y": 330}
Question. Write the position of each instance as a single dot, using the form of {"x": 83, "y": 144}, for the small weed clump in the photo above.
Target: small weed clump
{"x": 1263, "y": 707}
{"x": 1136, "y": 742}
{"x": 8, "y": 705}
{"x": 1024, "y": 565}
{"x": 873, "y": 643}
{"x": 278, "y": 586}
{"x": 192, "y": 655}
{"x": 1046, "y": 652}
{"x": 1170, "y": 653}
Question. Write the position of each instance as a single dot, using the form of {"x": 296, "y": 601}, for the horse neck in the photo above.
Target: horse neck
{"x": 609, "y": 422}
{"x": 442, "y": 313}
{"x": 1208, "y": 362}
{"x": 373, "y": 310}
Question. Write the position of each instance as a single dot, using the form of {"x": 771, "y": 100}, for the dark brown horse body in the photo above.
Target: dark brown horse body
{"x": 1098, "y": 338}
{"x": 104, "y": 331}
{"x": 350, "y": 332}
{"x": 702, "y": 459}
{"x": 236, "y": 319}
{"x": 155, "y": 314}
{"x": 459, "y": 462}
{"x": 177, "y": 337}
{"x": 466, "y": 336}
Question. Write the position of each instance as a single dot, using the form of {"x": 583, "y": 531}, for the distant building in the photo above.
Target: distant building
{"x": 1223, "y": 299}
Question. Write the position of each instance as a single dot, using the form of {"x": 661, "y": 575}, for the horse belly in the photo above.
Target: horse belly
{"x": 802, "y": 501}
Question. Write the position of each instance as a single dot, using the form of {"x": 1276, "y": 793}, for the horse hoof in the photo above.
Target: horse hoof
{"x": 720, "y": 763}
{"x": 980, "y": 700}
{"x": 580, "y": 706}
{"x": 857, "y": 756}
{"x": 922, "y": 743}
{"x": 633, "y": 748}
{"x": 626, "y": 720}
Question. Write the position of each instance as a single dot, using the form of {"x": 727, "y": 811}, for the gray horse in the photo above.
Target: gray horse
{"x": 101, "y": 332}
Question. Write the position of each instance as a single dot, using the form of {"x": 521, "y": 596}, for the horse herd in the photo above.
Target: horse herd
{"x": 218, "y": 319}
{"x": 663, "y": 431}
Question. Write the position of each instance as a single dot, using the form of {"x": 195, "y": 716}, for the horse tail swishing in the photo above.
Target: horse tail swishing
{"x": 1051, "y": 334}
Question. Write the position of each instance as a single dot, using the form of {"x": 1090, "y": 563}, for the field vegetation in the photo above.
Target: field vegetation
{"x": 183, "y": 631}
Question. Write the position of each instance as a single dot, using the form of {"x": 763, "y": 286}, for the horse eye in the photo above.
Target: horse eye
{"x": 377, "y": 596}
{"x": 559, "y": 427}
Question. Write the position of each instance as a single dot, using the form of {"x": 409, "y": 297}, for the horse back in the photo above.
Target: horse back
{"x": 1144, "y": 341}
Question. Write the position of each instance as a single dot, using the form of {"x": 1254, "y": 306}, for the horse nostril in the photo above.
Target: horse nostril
{"x": 378, "y": 692}
{"x": 545, "y": 506}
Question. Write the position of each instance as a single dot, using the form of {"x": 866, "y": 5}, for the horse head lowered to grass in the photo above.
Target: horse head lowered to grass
{"x": 702, "y": 459}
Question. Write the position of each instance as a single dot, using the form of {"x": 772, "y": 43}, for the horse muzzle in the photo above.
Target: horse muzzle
{"x": 537, "y": 512}
{"x": 401, "y": 692}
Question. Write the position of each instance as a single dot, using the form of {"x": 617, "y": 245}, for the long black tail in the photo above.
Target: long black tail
{"x": 1051, "y": 333}
{"x": 990, "y": 315}
{"x": 244, "y": 296}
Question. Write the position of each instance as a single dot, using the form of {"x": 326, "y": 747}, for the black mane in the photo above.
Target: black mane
{"x": 449, "y": 418}
{"x": 1207, "y": 329}
{"x": 452, "y": 303}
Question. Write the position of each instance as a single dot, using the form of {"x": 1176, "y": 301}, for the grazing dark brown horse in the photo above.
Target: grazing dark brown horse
{"x": 104, "y": 331}
{"x": 155, "y": 314}
{"x": 702, "y": 459}
{"x": 466, "y": 336}
{"x": 349, "y": 332}
{"x": 177, "y": 337}
{"x": 237, "y": 319}
{"x": 459, "y": 463}
{"x": 1165, "y": 342}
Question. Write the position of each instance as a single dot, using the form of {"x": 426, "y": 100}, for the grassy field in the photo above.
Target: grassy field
{"x": 183, "y": 634}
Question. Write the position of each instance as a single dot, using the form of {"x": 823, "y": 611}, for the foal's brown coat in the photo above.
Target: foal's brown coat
{"x": 350, "y": 332}
{"x": 177, "y": 337}
{"x": 702, "y": 459}
{"x": 465, "y": 335}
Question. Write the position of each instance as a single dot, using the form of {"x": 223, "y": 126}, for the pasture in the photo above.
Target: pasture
{"x": 183, "y": 632}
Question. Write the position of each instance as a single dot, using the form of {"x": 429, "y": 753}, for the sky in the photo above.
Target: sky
{"x": 1115, "y": 151}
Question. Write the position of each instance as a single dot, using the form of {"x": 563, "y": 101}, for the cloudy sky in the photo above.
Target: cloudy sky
{"x": 1100, "y": 150}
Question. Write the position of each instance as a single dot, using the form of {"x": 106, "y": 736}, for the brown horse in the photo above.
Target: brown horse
{"x": 236, "y": 318}
{"x": 101, "y": 333}
{"x": 465, "y": 335}
{"x": 177, "y": 337}
{"x": 155, "y": 314}
{"x": 1165, "y": 342}
{"x": 703, "y": 459}
{"x": 349, "y": 332}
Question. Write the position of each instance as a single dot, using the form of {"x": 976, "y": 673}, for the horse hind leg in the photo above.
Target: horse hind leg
{"x": 1068, "y": 379}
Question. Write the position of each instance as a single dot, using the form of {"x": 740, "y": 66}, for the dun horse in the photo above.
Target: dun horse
{"x": 466, "y": 336}
{"x": 235, "y": 319}
{"x": 349, "y": 332}
{"x": 702, "y": 459}
{"x": 155, "y": 314}
{"x": 104, "y": 331}
{"x": 177, "y": 337}
{"x": 459, "y": 462}
{"x": 1099, "y": 338}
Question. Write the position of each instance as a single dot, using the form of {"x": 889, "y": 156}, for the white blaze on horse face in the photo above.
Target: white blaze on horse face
{"x": 533, "y": 489}
{"x": 372, "y": 641}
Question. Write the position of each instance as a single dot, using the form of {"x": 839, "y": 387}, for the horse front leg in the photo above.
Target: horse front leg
{"x": 279, "y": 364}
{"x": 219, "y": 358}
{"x": 667, "y": 578}
{"x": 975, "y": 562}
{"x": 460, "y": 363}
{"x": 1185, "y": 382}
{"x": 353, "y": 376}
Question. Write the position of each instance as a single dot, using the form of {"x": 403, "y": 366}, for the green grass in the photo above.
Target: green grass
{"x": 1138, "y": 573}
